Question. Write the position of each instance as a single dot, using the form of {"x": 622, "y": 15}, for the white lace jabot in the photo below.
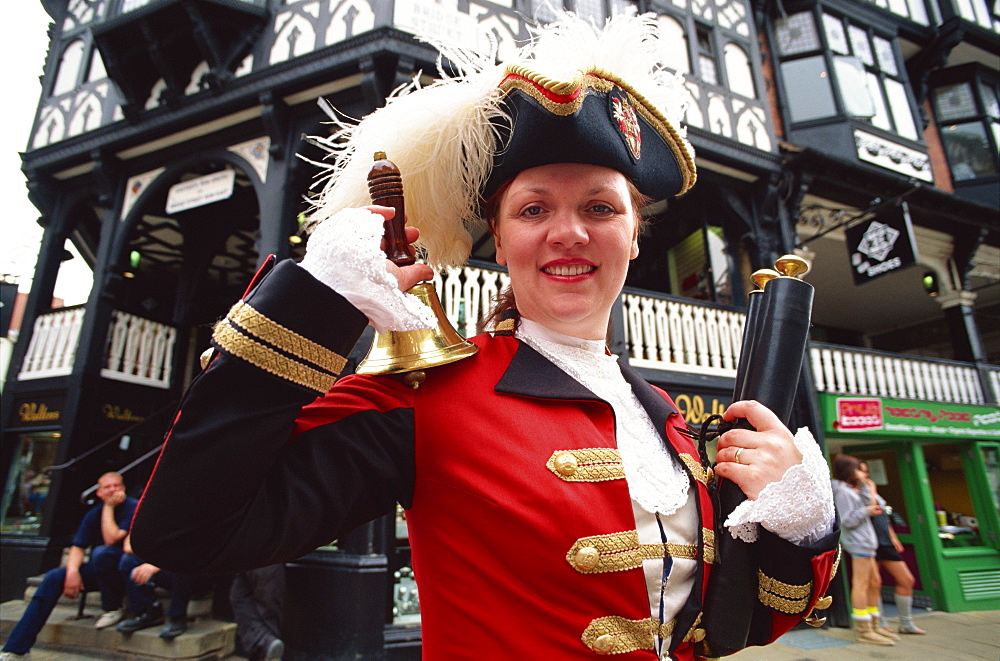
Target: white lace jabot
{"x": 656, "y": 482}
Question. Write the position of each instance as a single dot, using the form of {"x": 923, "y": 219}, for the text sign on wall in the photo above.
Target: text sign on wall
{"x": 877, "y": 416}
{"x": 882, "y": 245}
{"x": 201, "y": 191}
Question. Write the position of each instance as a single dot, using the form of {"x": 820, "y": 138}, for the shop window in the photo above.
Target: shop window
{"x": 699, "y": 266}
{"x": 27, "y": 486}
{"x": 405, "y": 597}
{"x": 968, "y": 116}
{"x": 991, "y": 460}
{"x": 958, "y": 524}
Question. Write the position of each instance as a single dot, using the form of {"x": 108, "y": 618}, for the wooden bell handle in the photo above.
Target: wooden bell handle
{"x": 385, "y": 185}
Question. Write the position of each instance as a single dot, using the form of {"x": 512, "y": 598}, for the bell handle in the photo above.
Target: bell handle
{"x": 385, "y": 185}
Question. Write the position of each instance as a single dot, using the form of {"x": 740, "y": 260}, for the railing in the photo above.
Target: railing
{"x": 139, "y": 350}
{"x": 671, "y": 334}
{"x": 662, "y": 333}
{"x": 52, "y": 350}
{"x": 850, "y": 370}
{"x": 467, "y": 293}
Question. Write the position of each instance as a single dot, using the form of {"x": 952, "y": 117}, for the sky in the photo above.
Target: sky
{"x": 24, "y": 46}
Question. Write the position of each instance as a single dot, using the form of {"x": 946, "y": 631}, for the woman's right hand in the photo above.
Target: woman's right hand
{"x": 407, "y": 276}
{"x": 874, "y": 510}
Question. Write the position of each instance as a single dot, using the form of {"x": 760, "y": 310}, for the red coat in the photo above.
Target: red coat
{"x": 508, "y": 468}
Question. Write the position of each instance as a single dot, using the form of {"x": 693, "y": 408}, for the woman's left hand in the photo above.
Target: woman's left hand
{"x": 754, "y": 459}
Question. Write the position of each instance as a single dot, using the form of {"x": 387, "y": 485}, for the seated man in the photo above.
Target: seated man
{"x": 141, "y": 580}
{"x": 104, "y": 527}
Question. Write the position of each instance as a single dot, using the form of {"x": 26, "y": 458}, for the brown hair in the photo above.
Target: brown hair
{"x": 504, "y": 301}
{"x": 845, "y": 469}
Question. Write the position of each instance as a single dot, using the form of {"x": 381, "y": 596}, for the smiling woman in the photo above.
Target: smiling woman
{"x": 566, "y": 233}
{"x": 549, "y": 490}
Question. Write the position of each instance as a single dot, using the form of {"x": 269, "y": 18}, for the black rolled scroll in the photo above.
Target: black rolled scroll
{"x": 774, "y": 342}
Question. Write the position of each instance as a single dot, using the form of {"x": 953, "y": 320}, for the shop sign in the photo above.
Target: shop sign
{"x": 696, "y": 407}
{"x": 881, "y": 416}
{"x": 38, "y": 411}
{"x": 882, "y": 245}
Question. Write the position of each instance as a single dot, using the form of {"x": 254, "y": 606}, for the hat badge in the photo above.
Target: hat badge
{"x": 628, "y": 124}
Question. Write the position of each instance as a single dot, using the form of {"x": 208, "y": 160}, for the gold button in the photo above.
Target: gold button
{"x": 206, "y": 357}
{"x": 587, "y": 558}
{"x": 604, "y": 644}
{"x": 709, "y": 475}
{"x": 824, "y": 602}
{"x": 698, "y": 635}
{"x": 565, "y": 464}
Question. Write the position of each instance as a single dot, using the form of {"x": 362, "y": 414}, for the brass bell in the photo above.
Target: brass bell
{"x": 395, "y": 352}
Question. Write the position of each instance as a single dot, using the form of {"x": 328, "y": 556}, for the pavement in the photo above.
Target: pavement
{"x": 950, "y": 637}
{"x": 973, "y": 635}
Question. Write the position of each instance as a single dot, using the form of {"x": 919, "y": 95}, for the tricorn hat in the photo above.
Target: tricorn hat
{"x": 576, "y": 93}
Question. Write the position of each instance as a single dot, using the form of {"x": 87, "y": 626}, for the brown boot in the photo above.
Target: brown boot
{"x": 864, "y": 633}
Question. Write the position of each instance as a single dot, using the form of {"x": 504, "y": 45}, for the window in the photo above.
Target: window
{"x": 836, "y": 67}
{"x": 69, "y": 68}
{"x": 28, "y": 483}
{"x": 708, "y": 69}
{"x": 968, "y": 116}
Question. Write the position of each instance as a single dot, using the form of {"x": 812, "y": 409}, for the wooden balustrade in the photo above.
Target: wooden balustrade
{"x": 139, "y": 350}
{"x": 849, "y": 370}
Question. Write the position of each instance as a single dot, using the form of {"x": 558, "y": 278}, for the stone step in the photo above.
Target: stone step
{"x": 198, "y": 606}
{"x": 205, "y": 638}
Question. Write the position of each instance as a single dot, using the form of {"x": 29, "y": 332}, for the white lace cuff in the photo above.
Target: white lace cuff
{"x": 343, "y": 253}
{"x": 798, "y": 507}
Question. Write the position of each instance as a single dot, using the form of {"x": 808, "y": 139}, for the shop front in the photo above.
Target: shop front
{"x": 938, "y": 467}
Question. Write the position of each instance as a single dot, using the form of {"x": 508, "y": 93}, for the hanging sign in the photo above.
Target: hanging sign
{"x": 881, "y": 245}
{"x": 201, "y": 191}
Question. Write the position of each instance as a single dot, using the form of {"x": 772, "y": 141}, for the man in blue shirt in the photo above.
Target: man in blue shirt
{"x": 103, "y": 527}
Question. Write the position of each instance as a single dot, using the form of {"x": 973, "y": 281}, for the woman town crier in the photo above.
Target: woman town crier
{"x": 556, "y": 510}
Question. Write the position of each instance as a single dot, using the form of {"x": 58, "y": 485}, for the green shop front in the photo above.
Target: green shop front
{"x": 938, "y": 467}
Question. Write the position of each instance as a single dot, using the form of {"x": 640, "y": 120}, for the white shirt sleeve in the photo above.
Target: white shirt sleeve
{"x": 798, "y": 507}
{"x": 343, "y": 253}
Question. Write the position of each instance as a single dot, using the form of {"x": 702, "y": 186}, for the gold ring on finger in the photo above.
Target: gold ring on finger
{"x": 738, "y": 451}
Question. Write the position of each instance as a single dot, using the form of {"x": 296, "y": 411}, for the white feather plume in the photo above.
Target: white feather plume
{"x": 441, "y": 135}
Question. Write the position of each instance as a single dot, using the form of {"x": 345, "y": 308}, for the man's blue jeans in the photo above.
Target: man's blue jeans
{"x": 99, "y": 573}
{"x": 141, "y": 597}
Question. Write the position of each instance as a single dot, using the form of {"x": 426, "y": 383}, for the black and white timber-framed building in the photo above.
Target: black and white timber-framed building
{"x": 164, "y": 148}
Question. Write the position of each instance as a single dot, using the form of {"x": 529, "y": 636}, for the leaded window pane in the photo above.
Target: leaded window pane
{"x": 968, "y": 150}
{"x": 881, "y": 116}
{"x": 899, "y": 103}
{"x": 886, "y": 56}
{"x": 810, "y": 95}
{"x": 835, "y": 35}
{"x": 797, "y": 34}
{"x": 707, "y": 70}
{"x": 861, "y": 46}
{"x": 953, "y": 102}
{"x": 853, "y": 87}
{"x": 991, "y": 105}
